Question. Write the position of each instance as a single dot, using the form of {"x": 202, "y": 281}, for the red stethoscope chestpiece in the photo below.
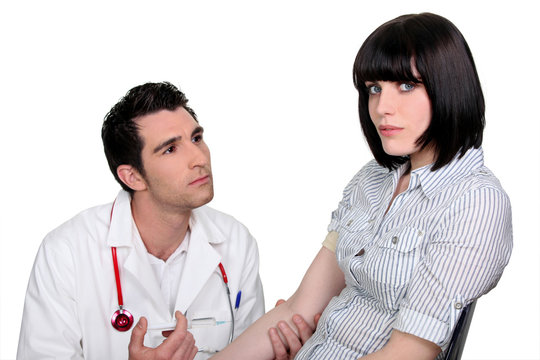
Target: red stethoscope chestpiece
{"x": 122, "y": 320}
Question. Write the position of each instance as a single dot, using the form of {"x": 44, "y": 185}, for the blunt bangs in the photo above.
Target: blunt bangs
{"x": 385, "y": 56}
{"x": 433, "y": 48}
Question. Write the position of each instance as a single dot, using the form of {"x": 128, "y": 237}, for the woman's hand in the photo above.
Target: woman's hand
{"x": 285, "y": 342}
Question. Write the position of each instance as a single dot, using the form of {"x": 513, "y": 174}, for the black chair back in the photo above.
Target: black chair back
{"x": 457, "y": 343}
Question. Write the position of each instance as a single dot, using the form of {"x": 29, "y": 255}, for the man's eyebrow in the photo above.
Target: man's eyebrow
{"x": 197, "y": 130}
{"x": 164, "y": 144}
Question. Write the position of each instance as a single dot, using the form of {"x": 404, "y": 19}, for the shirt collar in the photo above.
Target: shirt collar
{"x": 120, "y": 221}
{"x": 204, "y": 228}
{"x": 458, "y": 168}
{"x": 175, "y": 256}
{"x": 121, "y": 227}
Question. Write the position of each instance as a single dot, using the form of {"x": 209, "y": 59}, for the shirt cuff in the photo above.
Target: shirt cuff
{"x": 423, "y": 326}
{"x": 331, "y": 241}
{"x": 430, "y": 328}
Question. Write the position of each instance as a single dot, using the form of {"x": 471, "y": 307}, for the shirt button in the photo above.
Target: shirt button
{"x": 458, "y": 305}
{"x": 394, "y": 240}
{"x": 349, "y": 222}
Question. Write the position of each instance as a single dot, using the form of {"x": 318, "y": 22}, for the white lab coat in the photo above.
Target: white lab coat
{"x": 72, "y": 294}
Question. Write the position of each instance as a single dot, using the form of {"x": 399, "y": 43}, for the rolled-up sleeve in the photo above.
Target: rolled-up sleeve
{"x": 464, "y": 260}
{"x": 350, "y": 196}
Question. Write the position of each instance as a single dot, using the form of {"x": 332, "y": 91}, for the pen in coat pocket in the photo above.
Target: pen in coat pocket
{"x": 237, "y": 303}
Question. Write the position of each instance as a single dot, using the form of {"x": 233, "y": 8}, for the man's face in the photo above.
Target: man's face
{"x": 176, "y": 160}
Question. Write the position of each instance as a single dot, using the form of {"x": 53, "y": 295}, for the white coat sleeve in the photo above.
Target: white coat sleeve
{"x": 252, "y": 301}
{"x": 50, "y": 324}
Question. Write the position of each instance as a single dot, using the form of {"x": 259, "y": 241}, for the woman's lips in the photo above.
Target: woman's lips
{"x": 389, "y": 130}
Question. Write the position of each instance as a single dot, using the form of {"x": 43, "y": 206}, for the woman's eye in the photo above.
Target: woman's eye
{"x": 406, "y": 87}
{"x": 373, "y": 89}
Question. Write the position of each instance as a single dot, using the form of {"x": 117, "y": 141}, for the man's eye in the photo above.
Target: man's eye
{"x": 170, "y": 149}
{"x": 197, "y": 138}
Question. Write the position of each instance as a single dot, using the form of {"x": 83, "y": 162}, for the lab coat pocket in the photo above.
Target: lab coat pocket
{"x": 211, "y": 329}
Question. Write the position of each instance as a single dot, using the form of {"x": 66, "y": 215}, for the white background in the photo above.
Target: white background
{"x": 271, "y": 83}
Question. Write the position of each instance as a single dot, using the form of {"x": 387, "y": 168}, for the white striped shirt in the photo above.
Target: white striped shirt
{"x": 443, "y": 243}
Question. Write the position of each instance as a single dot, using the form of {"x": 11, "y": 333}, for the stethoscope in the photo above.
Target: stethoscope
{"x": 122, "y": 319}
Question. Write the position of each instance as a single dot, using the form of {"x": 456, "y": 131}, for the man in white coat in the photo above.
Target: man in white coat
{"x": 174, "y": 255}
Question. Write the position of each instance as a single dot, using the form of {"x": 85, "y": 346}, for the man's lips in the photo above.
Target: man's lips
{"x": 201, "y": 180}
{"x": 389, "y": 130}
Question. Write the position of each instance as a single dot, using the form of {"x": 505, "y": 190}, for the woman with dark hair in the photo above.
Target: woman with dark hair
{"x": 422, "y": 230}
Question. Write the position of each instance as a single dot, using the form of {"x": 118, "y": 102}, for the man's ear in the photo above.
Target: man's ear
{"x": 131, "y": 177}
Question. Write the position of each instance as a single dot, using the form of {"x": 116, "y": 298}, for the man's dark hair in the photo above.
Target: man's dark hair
{"x": 120, "y": 132}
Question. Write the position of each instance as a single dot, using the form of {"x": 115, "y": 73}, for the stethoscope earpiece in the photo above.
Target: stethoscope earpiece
{"x": 122, "y": 320}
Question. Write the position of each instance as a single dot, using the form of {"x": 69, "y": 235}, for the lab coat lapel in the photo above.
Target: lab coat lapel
{"x": 139, "y": 267}
{"x": 202, "y": 259}
{"x": 132, "y": 254}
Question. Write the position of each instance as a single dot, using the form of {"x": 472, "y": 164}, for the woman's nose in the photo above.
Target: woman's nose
{"x": 386, "y": 101}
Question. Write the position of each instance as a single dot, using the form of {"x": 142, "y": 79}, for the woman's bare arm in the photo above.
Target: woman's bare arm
{"x": 403, "y": 346}
{"x": 322, "y": 281}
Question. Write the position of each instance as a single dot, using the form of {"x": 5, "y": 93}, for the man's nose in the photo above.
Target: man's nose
{"x": 199, "y": 155}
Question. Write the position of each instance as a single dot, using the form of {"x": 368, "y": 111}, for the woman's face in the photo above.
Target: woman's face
{"x": 401, "y": 113}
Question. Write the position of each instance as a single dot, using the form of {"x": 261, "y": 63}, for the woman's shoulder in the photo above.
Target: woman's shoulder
{"x": 371, "y": 171}
{"x": 479, "y": 186}
{"x": 370, "y": 175}
{"x": 483, "y": 178}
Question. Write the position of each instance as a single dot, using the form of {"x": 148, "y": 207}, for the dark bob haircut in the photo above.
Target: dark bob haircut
{"x": 442, "y": 58}
{"x": 120, "y": 132}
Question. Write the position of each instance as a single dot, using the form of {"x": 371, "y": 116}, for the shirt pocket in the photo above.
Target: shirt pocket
{"x": 354, "y": 220}
{"x": 353, "y": 230}
{"x": 394, "y": 257}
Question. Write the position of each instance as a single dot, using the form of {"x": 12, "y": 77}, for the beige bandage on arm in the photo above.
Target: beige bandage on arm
{"x": 331, "y": 241}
